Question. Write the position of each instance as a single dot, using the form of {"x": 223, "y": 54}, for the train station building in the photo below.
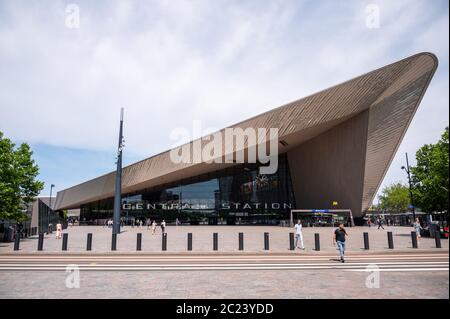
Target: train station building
{"x": 333, "y": 146}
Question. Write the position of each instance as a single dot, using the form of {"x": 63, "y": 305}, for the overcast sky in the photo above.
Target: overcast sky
{"x": 172, "y": 62}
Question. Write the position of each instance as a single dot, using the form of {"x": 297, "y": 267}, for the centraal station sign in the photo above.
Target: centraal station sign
{"x": 223, "y": 206}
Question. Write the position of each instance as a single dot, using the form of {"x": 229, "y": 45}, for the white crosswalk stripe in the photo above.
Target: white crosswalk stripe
{"x": 354, "y": 262}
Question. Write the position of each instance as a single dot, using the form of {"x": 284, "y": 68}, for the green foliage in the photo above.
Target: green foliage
{"x": 430, "y": 176}
{"x": 394, "y": 198}
{"x": 18, "y": 184}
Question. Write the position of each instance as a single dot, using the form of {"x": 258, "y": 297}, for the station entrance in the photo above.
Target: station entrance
{"x": 322, "y": 217}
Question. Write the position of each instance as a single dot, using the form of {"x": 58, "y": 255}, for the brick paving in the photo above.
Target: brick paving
{"x": 220, "y": 284}
{"x": 228, "y": 239}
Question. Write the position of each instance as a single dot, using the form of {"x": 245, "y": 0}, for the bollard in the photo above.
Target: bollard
{"x": 64, "y": 241}
{"x": 41, "y": 241}
{"x": 366, "y": 241}
{"x": 414, "y": 239}
{"x": 437, "y": 238}
{"x": 16, "y": 241}
{"x": 317, "y": 241}
{"x": 114, "y": 242}
{"x": 215, "y": 241}
{"x": 89, "y": 241}
{"x": 291, "y": 241}
{"x": 390, "y": 240}
{"x": 266, "y": 241}
{"x": 164, "y": 241}
{"x": 139, "y": 241}
{"x": 189, "y": 241}
{"x": 241, "y": 241}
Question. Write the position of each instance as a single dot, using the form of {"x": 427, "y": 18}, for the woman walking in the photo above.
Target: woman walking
{"x": 58, "y": 231}
{"x": 154, "y": 227}
{"x": 417, "y": 228}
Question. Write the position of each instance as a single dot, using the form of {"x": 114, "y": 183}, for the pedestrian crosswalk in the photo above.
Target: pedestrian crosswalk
{"x": 160, "y": 262}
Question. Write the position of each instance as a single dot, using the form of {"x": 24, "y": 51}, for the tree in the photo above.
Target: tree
{"x": 394, "y": 198}
{"x": 430, "y": 176}
{"x": 18, "y": 184}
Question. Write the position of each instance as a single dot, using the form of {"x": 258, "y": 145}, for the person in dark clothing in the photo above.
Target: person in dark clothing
{"x": 380, "y": 223}
{"x": 339, "y": 238}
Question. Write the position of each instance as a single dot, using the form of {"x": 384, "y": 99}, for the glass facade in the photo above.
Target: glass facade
{"x": 235, "y": 195}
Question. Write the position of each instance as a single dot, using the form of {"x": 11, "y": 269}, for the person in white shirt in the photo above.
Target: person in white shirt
{"x": 58, "y": 231}
{"x": 153, "y": 227}
{"x": 299, "y": 235}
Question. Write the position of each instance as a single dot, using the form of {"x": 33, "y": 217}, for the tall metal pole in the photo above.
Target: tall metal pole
{"x": 118, "y": 191}
{"x": 410, "y": 189}
{"x": 49, "y": 208}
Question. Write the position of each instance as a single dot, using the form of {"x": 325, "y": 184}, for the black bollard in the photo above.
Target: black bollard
{"x": 215, "y": 241}
{"x": 16, "y": 241}
{"x": 266, "y": 241}
{"x": 390, "y": 240}
{"x": 241, "y": 241}
{"x": 64, "y": 241}
{"x": 139, "y": 241}
{"x": 114, "y": 242}
{"x": 437, "y": 238}
{"x": 89, "y": 241}
{"x": 41, "y": 241}
{"x": 366, "y": 241}
{"x": 189, "y": 241}
{"x": 317, "y": 241}
{"x": 414, "y": 239}
{"x": 164, "y": 241}
{"x": 291, "y": 241}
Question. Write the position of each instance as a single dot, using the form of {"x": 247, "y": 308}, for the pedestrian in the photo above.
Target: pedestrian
{"x": 339, "y": 238}
{"x": 58, "y": 231}
{"x": 417, "y": 228}
{"x": 163, "y": 226}
{"x": 380, "y": 223}
{"x": 140, "y": 224}
{"x": 299, "y": 235}
{"x": 369, "y": 222}
{"x": 153, "y": 227}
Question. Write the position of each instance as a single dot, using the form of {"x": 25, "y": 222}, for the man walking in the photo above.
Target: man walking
{"x": 339, "y": 238}
{"x": 299, "y": 235}
{"x": 380, "y": 223}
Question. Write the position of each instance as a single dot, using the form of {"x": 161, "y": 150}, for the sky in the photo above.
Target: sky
{"x": 67, "y": 67}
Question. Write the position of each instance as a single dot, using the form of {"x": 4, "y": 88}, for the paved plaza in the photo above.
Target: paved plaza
{"x": 228, "y": 239}
{"x": 404, "y": 272}
{"x": 400, "y": 275}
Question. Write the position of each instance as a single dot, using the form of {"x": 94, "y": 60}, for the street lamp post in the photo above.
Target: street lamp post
{"x": 118, "y": 188}
{"x": 408, "y": 172}
{"x": 49, "y": 208}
